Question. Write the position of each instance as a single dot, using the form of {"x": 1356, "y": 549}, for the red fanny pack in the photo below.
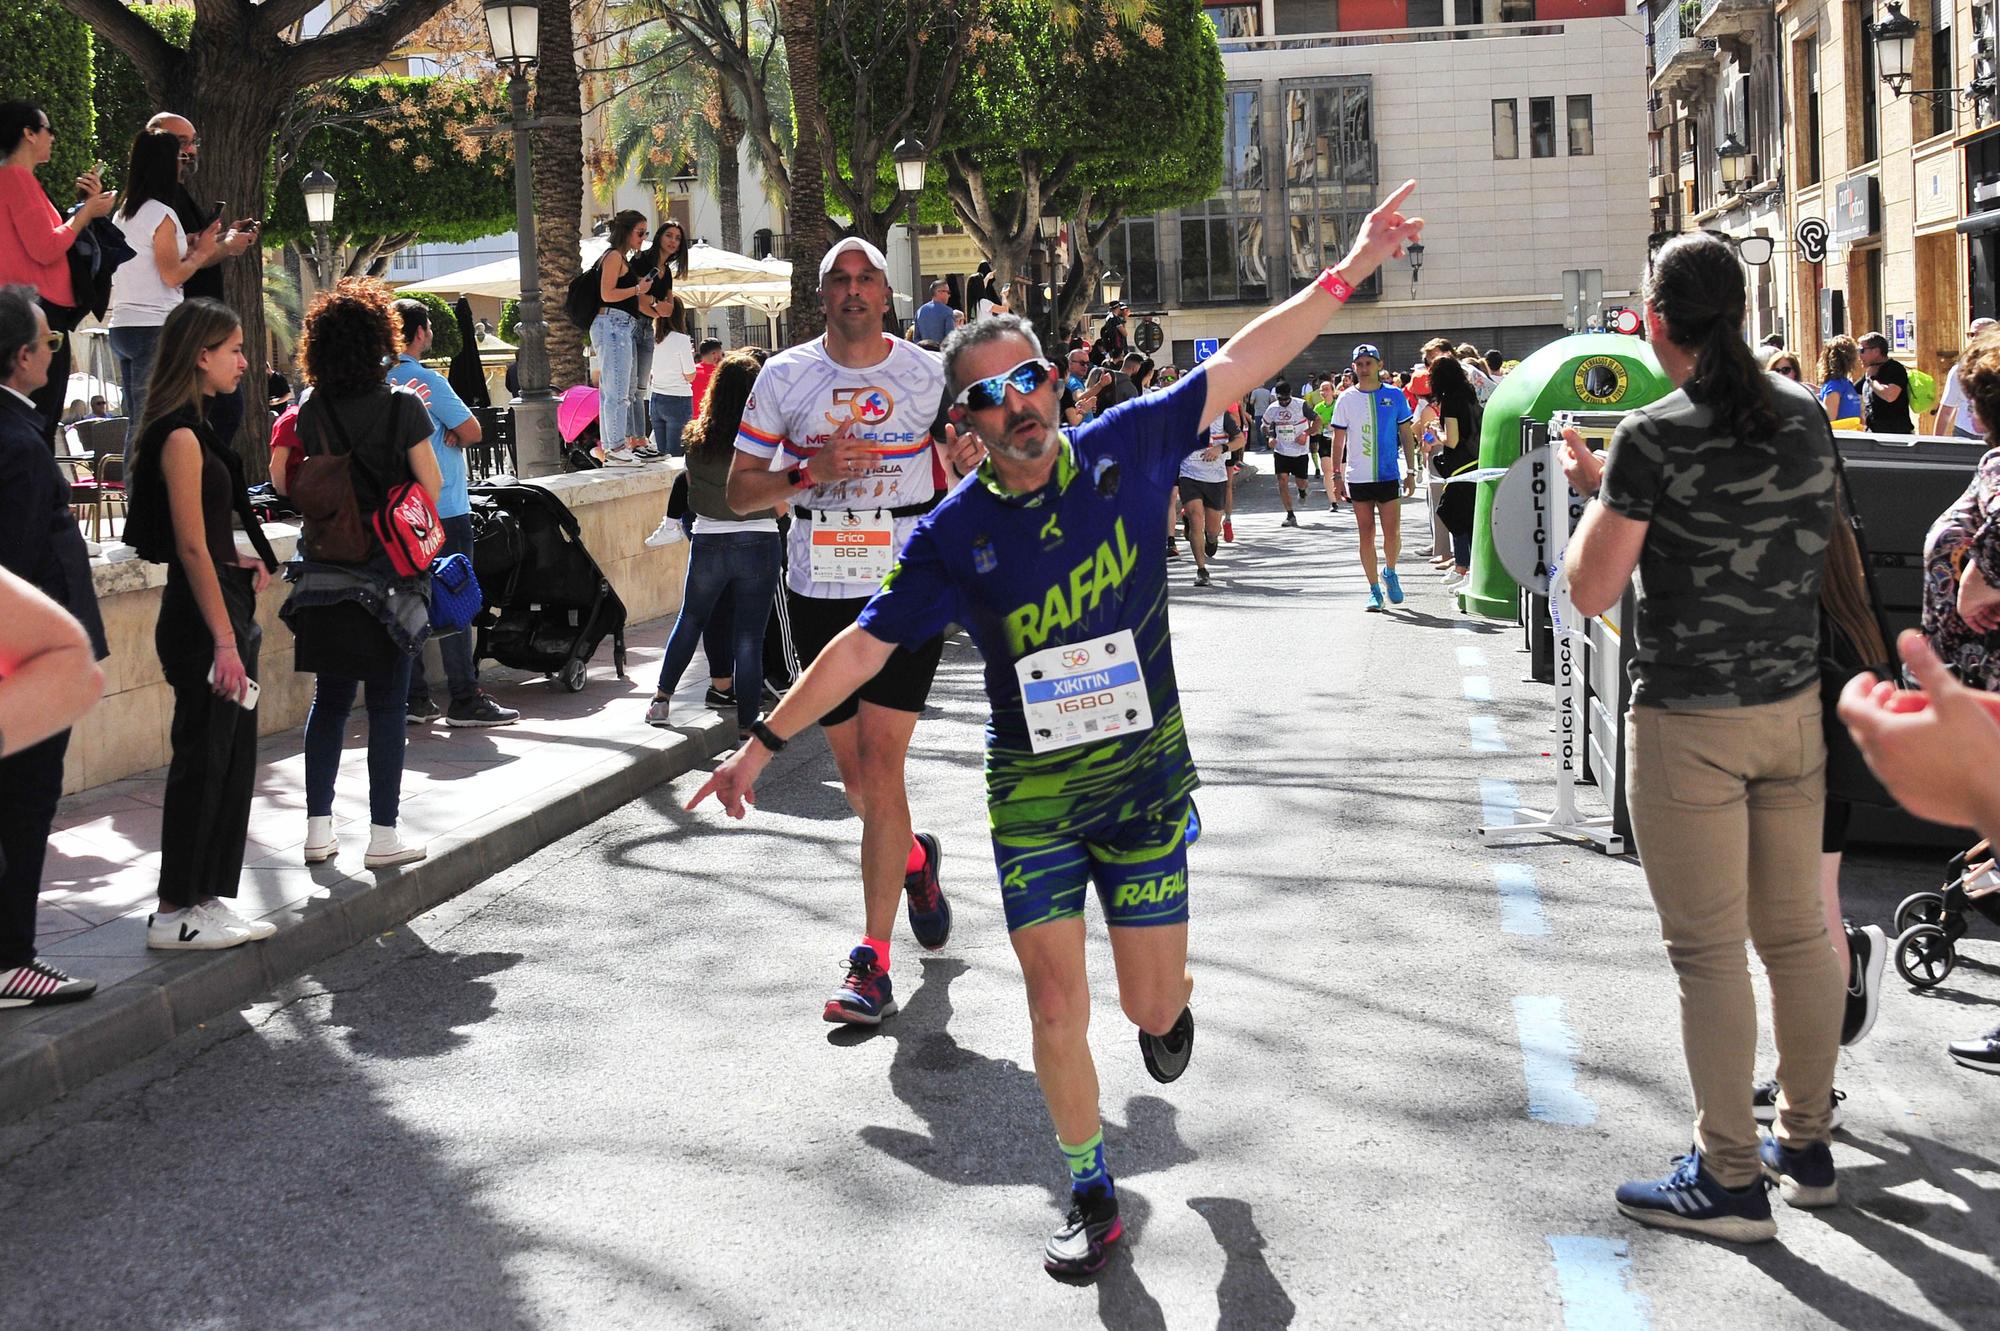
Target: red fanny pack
{"x": 410, "y": 529}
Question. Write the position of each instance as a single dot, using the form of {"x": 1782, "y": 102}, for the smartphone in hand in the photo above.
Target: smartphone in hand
{"x": 247, "y": 700}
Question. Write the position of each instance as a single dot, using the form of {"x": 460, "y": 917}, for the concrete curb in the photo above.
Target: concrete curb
{"x": 67, "y": 1046}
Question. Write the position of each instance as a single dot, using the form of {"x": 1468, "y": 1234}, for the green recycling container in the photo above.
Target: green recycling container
{"x": 1588, "y": 372}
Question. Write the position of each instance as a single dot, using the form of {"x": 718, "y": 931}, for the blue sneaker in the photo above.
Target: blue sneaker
{"x": 929, "y": 912}
{"x": 1691, "y": 1199}
{"x": 1805, "y": 1178}
{"x": 864, "y": 997}
{"x": 1374, "y": 600}
{"x": 1394, "y": 584}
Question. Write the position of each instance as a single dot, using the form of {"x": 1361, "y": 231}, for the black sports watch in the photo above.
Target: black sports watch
{"x": 766, "y": 736}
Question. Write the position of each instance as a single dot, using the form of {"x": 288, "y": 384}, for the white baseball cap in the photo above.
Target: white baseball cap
{"x": 852, "y": 245}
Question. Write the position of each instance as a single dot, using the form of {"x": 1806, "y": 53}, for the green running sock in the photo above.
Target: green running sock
{"x": 1086, "y": 1163}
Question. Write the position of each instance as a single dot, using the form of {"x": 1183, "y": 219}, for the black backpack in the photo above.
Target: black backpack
{"x": 581, "y": 302}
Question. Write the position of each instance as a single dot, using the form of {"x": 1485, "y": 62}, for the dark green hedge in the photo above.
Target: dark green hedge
{"x": 48, "y": 63}
{"x": 445, "y": 340}
{"x": 510, "y": 322}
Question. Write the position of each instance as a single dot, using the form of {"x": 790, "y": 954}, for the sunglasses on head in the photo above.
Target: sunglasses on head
{"x": 1026, "y": 377}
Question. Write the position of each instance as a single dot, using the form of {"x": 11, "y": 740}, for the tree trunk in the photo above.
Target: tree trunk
{"x": 236, "y": 120}
{"x": 1080, "y": 288}
{"x": 806, "y": 225}
{"x": 558, "y": 164}
{"x": 729, "y": 199}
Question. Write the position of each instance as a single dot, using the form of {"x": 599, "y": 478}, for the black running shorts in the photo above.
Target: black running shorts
{"x": 1290, "y": 466}
{"x": 902, "y": 685}
{"x": 1375, "y": 492}
{"x": 1215, "y": 494}
{"x": 1322, "y": 446}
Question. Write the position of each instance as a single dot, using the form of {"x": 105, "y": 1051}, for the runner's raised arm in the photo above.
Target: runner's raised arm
{"x": 1269, "y": 342}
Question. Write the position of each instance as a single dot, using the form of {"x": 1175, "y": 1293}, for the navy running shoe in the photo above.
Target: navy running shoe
{"x": 1805, "y": 1178}
{"x": 1167, "y": 1056}
{"x": 864, "y": 997}
{"x": 929, "y": 912}
{"x": 1082, "y": 1244}
{"x": 1691, "y": 1199}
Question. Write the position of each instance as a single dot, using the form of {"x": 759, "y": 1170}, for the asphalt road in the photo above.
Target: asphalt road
{"x": 596, "y": 1092}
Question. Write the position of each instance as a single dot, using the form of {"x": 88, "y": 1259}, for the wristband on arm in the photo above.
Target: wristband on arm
{"x": 1333, "y": 284}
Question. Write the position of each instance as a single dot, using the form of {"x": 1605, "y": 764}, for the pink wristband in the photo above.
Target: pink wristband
{"x": 1333, "y": 284}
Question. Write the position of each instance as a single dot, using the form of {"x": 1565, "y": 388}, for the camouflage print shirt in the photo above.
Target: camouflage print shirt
{"x": 1728, "y": 580}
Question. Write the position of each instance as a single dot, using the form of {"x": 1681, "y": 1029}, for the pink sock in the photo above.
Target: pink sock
{"x": 916, "y": 860}
{"x": 881, "y": 946}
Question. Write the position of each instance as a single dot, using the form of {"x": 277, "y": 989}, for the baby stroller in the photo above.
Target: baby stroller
{"x": 576, "y": 425}
{"x": 548, "y": 603}
{"x": 1929, "y": 924}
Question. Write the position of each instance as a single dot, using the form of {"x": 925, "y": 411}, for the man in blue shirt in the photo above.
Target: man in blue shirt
{"x": 453, "y": 426}
{"x": 1050, "y": 556}
{"x": 936, "y": 318}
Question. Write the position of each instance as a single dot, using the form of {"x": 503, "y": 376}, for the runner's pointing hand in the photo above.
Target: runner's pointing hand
{"x": 734, "y": 783}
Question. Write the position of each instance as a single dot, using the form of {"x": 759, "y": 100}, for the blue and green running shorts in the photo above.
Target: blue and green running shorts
{"x": 1139, "y": 866}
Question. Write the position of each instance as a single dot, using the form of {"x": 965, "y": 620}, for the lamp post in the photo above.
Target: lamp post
{"x": 1895, "y": 46}
{"x": 514, "y": 27}
{"x": 912, "y": 162}
{"x": 1415, "y": 249}
{"x": 319, "y": 189}
{"x": 1114, "y": 287}
{"x": 1051, "y": 227}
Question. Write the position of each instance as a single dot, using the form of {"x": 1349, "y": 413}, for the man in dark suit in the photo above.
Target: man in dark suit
{"x": 40, "y": 543}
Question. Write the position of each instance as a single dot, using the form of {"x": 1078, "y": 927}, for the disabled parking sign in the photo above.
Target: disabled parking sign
{"x": 1204, "y": 347}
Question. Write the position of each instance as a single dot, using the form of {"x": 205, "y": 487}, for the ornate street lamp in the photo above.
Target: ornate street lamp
{"x": 319, "y": 189}
{"x": 1895, "y": 46}
{"x": 1735, "y": 161}
{"x": 912, "y": 163}
{"x": 1114, "y": 287}
{"x": 514, "y": 27}
{"x": 1415, "y": 249}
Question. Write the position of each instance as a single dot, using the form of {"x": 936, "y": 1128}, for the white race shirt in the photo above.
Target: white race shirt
{"x": 803, "y": 395}
{"x": 139, "y": 299}
{"x": 1966, "y": 424}
{"x": 1198, "y": 468}
{"x": 1282, "y": 420}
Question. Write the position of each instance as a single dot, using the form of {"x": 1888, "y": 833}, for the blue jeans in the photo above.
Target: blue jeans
{"x": 461, "y": 671}
{"x": 615, "y": 335}
{"x": 134, "y": 349}
{"x": 642, "y": 374}
{"x": 670, "y": 417}
{"x": 744, "y": 566}
{"x": 326, "y": 730}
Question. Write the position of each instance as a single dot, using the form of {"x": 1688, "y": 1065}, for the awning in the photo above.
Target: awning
{"x": 1980, "y": 223}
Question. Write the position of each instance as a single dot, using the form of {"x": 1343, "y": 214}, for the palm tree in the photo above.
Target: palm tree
{"x": 798, "y": 22}
{"x": 558, "y": 163}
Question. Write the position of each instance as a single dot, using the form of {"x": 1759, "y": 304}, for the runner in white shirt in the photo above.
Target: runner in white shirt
{"x": 840, "y": 428}
{"x": 1285, "y": 427}
{"x": 1204, "y": 485}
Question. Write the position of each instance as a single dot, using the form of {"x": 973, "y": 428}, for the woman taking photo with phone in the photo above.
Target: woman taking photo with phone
{"x": 186, "y": 485}
{"x": 145, "y": 290}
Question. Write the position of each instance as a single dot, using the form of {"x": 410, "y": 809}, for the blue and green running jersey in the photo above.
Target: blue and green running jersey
{"x": 1079, "y": 559}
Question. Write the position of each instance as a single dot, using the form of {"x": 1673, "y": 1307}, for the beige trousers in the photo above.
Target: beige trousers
{"x": 1726, "y": 807}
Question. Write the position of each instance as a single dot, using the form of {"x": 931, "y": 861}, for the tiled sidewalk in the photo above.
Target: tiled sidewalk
{"x": 480, "y": 799}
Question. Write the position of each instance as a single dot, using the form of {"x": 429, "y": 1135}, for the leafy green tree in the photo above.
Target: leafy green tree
{"x": 49, "y": 64}
{"x": 409, "y": 164}
{"x": 123, "y": 105}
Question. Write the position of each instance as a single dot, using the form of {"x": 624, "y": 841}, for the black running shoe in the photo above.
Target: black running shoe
{"x": 1082, "y": 1243}
{"x": 722, "y": 700}
{"x": 1210, "y": 545}
{"x": 1201, "y": 577}
{"x": 1167, "y": 1055}
{"x": 1867, "y": 950}
{"x": 1764, "y": 1103}
{"x": 929, "y": 912}
{"x": 1291, "y": 520}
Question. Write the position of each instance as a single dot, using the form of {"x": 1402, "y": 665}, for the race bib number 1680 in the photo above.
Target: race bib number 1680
{"x": 1083, "y": 692}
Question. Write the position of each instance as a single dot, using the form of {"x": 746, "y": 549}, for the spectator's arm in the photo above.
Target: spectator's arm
{"x": 48, "y": 674}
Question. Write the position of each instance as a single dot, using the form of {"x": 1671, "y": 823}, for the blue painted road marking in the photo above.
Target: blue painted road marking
{"x": 1497, "y": 802}
{"x": 1594, "y": 1277}
{"x": 1520, "y": 901}
{"x": 1478, "y": 688}
{"x": 1548, "y": 1055}
{"x": 1486, "y": 737}
{"x": 1472, "y": 658}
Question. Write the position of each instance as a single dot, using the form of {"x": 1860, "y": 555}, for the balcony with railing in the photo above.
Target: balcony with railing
{"x": 1683, "y": 60}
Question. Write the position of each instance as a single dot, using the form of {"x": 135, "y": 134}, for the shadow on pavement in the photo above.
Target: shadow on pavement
{"x": 1249, "y": 1297}
{"x": 446, "y": 993}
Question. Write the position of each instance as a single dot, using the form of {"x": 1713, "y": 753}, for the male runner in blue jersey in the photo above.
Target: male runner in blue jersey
{"x": 1050, "y": 556}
